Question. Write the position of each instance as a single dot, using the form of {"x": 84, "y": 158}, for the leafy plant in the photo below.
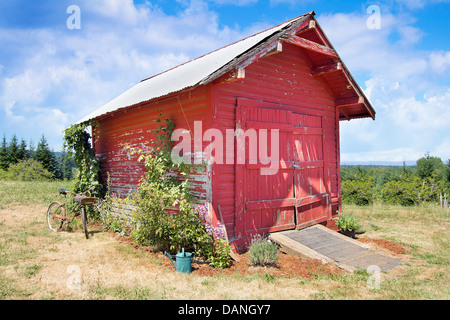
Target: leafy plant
{"x": 403, "y": 185}
{"x": 114, "y": 213}
{"x": 358, "y": 191}
{"x": 28, "y": 170}
{"x": 347, "y": 223}
{"x": 161, "y": 192}
{"x": 220, "y": 257}
{"x": 412, "y": 191}
{"x": 263, "y": 252}
{"x": 77, "y": 144}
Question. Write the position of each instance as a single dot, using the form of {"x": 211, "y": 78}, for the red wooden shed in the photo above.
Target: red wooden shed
{"x": 286, "y": 83}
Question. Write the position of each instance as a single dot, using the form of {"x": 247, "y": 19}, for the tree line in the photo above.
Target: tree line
{"x": 19, "y": 161}
{"x": 428, "y": 181}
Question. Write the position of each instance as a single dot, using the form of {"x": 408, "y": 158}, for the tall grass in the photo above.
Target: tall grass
{"x": 30, "y": 192}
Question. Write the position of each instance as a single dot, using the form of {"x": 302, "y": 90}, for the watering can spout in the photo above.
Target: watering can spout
{"x": 170, "y": 257}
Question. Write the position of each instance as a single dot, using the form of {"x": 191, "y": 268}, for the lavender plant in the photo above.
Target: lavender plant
{"x": 263, "y": 252}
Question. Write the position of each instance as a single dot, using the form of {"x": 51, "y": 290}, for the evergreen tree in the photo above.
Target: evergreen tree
{"x": 22, "y": 153}
{"x": 45, "y": 156}
{"x": 57, "y": 166}
{"x": 31, "y": 153}
{"x": 65, "y": 163}
{"x": 13, "y": 150}
{"x": 4, "y": 155}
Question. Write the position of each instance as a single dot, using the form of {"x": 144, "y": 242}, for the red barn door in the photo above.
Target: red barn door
{"x": 295, "y": 195}
{"x": 312, "y": 200}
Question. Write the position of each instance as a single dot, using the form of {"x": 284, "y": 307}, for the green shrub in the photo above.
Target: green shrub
{"x": 220, "y": 257}
{"x": 165, "y": 216}
{"x": 169, "y": 232}
{"x": 359, "y": 192}
{"x": 158, "y": 193}
{"x": 28, "y": 170}
{"x": 347, "y": 223}
{"x": 263, "y": 252}
{"x": 412, "y": 191}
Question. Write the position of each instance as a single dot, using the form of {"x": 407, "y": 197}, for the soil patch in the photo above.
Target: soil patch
{"x": 286, "y": 266}
{"x": 394, "y": 247}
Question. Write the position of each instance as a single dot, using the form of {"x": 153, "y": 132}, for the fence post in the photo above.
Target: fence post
{"x": 445, "y": 201}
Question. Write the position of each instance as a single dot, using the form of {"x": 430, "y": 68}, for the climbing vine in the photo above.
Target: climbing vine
{"x": 77, "y": 144}
{"x": 162, "y": 190}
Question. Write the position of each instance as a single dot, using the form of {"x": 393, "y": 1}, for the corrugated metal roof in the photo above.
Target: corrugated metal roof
{"x": 188, "y": 74}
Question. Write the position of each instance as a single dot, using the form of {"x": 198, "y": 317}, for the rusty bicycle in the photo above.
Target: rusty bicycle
{"x": 59, "y": 215}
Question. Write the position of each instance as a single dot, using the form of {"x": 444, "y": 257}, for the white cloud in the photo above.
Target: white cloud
{"x": 125, "y": 9}
{"x": 62, "y": 75}
{"x": 291, "y": 2}
{"x": 413, "y": 4}
{"x": 412, "y": 110}
{"x": 441, "y": 150}
{"x": 59, "y": 75}
{"x": 388, "y": 155}
{"x": 234, "y": 2}
{"x": 440, "y": 62}
{"x": 421, "y": 117}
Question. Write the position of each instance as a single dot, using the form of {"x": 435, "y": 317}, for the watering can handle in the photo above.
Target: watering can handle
{"x": 170, "y": 257}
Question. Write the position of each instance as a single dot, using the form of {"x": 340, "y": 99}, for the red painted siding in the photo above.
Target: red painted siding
{"x": 133, "y": 129}
{"x": 281, "y": 81}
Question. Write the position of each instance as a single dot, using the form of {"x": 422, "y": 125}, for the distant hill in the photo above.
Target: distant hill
{"x": 379, "y": 163}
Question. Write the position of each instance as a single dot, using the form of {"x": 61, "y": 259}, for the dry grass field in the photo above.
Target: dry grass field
{"x": 37, "y": 264}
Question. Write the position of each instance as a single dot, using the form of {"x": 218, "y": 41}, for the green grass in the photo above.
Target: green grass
{"x": 425, "y": 230}
{"x": 30, "y": 193}
{"x": 135, "y": 292}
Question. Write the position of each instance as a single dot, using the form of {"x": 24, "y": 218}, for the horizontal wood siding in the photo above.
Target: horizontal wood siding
{"x": 115, "y": 135}
{"x": 284, "y": 79}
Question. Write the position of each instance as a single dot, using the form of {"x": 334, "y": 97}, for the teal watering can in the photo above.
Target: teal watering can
{"x": 184, "y": 261}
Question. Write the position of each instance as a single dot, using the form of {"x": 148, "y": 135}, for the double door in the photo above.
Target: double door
{"x": 294, "y": 193}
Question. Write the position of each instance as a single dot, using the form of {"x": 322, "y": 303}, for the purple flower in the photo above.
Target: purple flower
{"x": 216, "y": 232}
{"x": 202, "y": 211}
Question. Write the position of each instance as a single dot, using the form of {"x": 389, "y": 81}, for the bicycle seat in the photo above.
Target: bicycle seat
{"x": 63, "y": 191}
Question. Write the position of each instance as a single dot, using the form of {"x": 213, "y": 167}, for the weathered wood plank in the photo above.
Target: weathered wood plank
{"x": 310, "y": 45}
{"x": 233, "y": 75}
{"x": 325, "y": 69}
{"x": 344, "y": 102}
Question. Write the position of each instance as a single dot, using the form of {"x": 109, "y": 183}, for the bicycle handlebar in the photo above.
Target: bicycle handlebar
{"x": 88, "y": 191}
{"x": 82, "y": 194}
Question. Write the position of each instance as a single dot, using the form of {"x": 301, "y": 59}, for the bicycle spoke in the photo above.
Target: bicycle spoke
{"x": 55, "y": 216}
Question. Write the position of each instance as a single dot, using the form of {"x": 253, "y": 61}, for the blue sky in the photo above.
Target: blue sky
{"x": 51, "y": 76}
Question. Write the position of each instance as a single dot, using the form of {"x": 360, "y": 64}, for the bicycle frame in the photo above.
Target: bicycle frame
{"x": 76, "y": 211}
{"x": 61, "y": 212}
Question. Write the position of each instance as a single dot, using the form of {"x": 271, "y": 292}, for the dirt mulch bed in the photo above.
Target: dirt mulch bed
{"x": 286, "y": 265}
{"x": 394, "y": 247}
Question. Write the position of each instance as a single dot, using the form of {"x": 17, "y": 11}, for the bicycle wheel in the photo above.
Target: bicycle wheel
{"x": 55, "y": 213}
{"x": 84, "y": 220}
